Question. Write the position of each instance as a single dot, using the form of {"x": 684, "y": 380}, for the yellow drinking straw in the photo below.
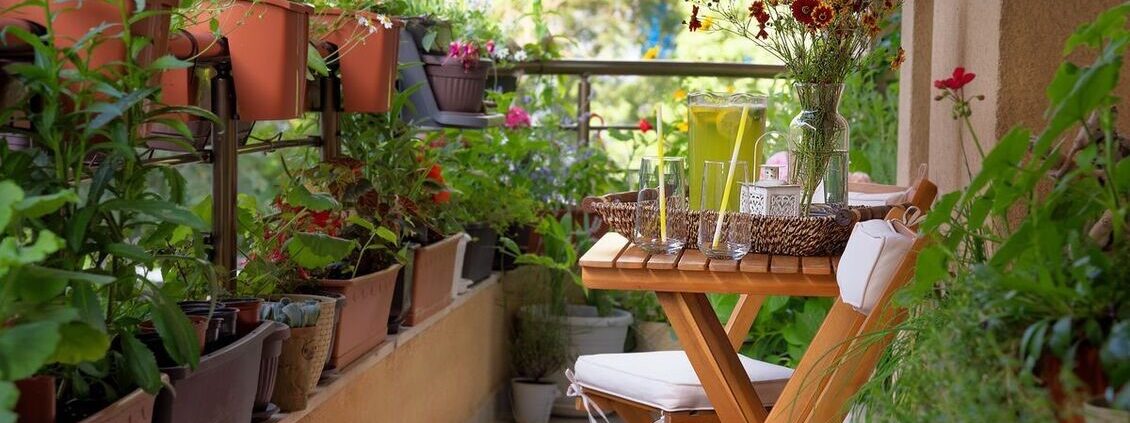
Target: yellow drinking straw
{"x": 730, "y": 178}
{"x": 662, "y": 170}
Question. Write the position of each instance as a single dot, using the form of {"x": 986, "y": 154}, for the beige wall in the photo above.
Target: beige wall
{"x": 1014, "y": 47}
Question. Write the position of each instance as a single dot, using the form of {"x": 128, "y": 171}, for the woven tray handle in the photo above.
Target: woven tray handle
{"x": 623, "y": 197}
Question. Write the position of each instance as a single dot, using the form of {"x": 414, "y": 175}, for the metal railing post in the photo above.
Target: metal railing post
{"x": 225, "y": 184}
{"x": 584, "y": 90}
{"x": 331, "y": 144}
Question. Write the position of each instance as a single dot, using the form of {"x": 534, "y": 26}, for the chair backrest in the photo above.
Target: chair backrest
{"x": 848, "y": 344}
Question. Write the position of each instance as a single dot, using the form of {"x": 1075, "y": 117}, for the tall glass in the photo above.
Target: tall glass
{"x": 714, "y": 120}
{"x": 731, "y": 239}
{"x": 661, "y": 215}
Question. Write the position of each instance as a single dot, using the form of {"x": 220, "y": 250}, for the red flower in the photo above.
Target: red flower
{"x": 645, "y": 125}
{"x": 802, "y": 11}
{"x": 957, "y": 81}
{"x": 757, "y": 9}
{"x": 436, "y": 173}
{"x": 822, "y": 15}
{"x": 441, "y": 197}
{"x": 695, "y": 23}
{"x": 321, "y": 219}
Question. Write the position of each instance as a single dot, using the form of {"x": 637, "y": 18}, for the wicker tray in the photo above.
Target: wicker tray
{"x": 793, "y": 236}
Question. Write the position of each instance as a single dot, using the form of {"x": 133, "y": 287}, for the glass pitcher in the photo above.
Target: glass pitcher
{"x": 714, "y": 120}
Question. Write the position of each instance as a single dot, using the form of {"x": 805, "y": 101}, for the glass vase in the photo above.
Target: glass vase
{"x": 818, "y": 149}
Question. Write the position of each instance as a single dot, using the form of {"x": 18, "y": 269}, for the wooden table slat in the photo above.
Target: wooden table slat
{"x": 784, "y": 264}
{"x": 816, "y": 265}
{"x": 692, "y": 260}
{"x": 664, "y": 261}
{"x": 835, "y": 264}
{"x": 604, "y": 253}
{"x": 633, "y": 257}
{"x": 755, "y": 263}
{"x": 724, "y": 265}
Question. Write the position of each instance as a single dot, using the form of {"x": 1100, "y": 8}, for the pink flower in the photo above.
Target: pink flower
{"x": 517, "y": 117}
{"x": 490, "y": 46}
{"x": 470, "y": 49}
{"x": 453, "y": 49}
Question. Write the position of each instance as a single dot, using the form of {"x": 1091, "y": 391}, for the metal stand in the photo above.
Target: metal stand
{"x": 225, "y": 159}
{"x": 331, "y": 143}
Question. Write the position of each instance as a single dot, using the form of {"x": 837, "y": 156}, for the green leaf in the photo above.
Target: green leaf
{"x": 24, "y": 348}
{"x": 107, "y": 112}
{"x": 1115, "y": 354}
{"x": 429, "y": 40}
{"x": 13, "y": 254}
{"x": 85, "y": 302}
{"x": 315, "y": 62}
{"x": 141, "y": 365}
{"x": 130, "y": 251}
{"x": 298, "y": 195}
{"x": 77, "y": 225}
{"x": 168, "y": 62}
{"x": 176, "y": 331}
{"x": 162, "y": 210}
{"x": 1061, "y": 336}
{"x": 9, "y": 395}
{"x": 316, "y": 251}
{"x": 47, "y": 272}
{"x": 387, "y": 235}
{"x": 10, "y": 194}
{"x": 79, "y": 342}
{"x": 35, "y": 288}
{"x": 43, "y": 204}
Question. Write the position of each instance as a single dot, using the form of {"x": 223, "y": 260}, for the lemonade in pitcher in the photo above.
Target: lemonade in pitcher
{"x": 714, "y": 120}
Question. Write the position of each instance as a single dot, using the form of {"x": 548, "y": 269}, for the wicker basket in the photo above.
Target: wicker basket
{"x": 792, "y": 236}
{"x": 324, "y": 332}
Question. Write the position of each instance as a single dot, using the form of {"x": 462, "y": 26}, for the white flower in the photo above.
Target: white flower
{"x": 520, "y": 56}
{"x": 502, "y": 52}
{"x": 385, "y": 21}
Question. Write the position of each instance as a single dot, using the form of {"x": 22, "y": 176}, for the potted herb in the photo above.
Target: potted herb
{"x": 539, "y": 349}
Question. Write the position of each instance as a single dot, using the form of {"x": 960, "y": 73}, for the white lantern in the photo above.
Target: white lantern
{"x": 770, "y": 196}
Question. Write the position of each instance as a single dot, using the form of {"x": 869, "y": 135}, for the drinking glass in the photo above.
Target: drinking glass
{"x": 714, "y": 121}
{"x": 656, "y": 232}
{"x": 731, "y": 239}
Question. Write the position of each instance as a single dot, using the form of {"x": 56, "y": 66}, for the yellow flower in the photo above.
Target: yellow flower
{"x": 730, "y": 89}
{"x": 707, "y": 23}
{"x": 680, "y": 94}
{"x": 682, "y": 126}
{"x": 651, "y": 53}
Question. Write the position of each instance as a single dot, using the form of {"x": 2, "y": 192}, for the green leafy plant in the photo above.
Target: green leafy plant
{"x": 540, "y": 346}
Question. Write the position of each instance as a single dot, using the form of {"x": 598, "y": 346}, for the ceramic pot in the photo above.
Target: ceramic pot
{"x": 297, "y": 364}
{"x": 589, "y": 333}
{"x": 433, "y": 269}
{"x": 368, "y": 300}
{"x": 456, "y": 88}
{"x": 267, "y": 40}
{"x": 367, "y": 60}
{"x": 532, "y": 401}
{"x": 37, "y": 399}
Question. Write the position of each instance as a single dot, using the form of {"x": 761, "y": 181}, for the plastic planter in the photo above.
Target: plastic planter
{"x": 480, "y": 252}
{"x": 268, "y": 370}
{"x": 367, "y": 59}
{"x": 457, "y": 89}
{"x": 248, "y": 316}
{"x": 368, "y": 300}
{"x": 37, "y": 399}
{"x": 432, "y": 276}
{"x": 267, "y": 40}
{"x": 133, "y": 408}
{"x": 221, "y": 389}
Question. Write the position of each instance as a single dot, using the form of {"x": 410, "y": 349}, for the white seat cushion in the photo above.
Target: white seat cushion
{"x": 666, "y": 381}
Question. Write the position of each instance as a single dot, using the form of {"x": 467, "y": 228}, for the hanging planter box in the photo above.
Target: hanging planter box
{"x": 267, "y": 40}
{"x": 457, "y": 89}
{"x": 366, "y": 55}
{"x": 362, "y": 327}
{"x": 222, "y": 388}
{"x": 432, "y": 278}
{"x": 73, "y": 19}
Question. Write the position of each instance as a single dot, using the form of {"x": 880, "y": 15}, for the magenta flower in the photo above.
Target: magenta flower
{"x": 490, "y": 46}
{"x": 517, "y": 117}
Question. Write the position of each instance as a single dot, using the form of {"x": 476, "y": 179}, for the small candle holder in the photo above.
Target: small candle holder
{"x": 770, "y": 196}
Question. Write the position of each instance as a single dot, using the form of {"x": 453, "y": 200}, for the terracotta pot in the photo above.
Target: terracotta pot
{"x": 248, "y": 317}
{"x": 37, "y": 399}
{"x": 74, "y": 19}
{"x": 323, "y": 340}
{"x": 457, "y": 89}
{"x": 221, "y": 389}
{"x": 268, "y": 372}
{"x": 362, "y": 326}
{"x": 432, "y": 274}
{"x": 137, "y": 407}
{"x": 267, "y": 40}
{"x": 296, "y": 377}
{"x": 367, "y": 60}
{"x": 480, "y": 252}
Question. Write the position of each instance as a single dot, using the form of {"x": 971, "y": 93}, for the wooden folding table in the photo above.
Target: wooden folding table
{"x": 682, "y": 281}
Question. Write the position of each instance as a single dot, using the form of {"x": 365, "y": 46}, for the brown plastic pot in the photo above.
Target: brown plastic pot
{"x": 37, "y": 399}
{"x": 199, "y": 326}
{"x": 73, "y": 20}
{"x": 137, "y": 407}
{"x": 267, "y": 40}
{"x": 368, "y": 300}
{"x": 457, "y": 89}
{"x": 268, "y": 372}
{"x": 367, "y": 59}
{"x": 432, "y": 275}
{"x": 296, "y": 377}
{"x": 248, "y": 316}
{"x": 221, "y": 389}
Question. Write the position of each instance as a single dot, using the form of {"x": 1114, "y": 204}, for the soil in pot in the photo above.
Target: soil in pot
{"x": 37, "y": 399}
{"x": 432, "y": 277}
{"x": 457, "y": 88}
{"x": 367, "y": 305}
{"x": 479, "y": 257}
{"x": 532, "y": 401}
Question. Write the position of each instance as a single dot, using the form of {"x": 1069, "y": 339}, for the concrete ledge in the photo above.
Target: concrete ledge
{"x": 442, "y": 370}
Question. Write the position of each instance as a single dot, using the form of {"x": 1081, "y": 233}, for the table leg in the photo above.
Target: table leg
{"x": 741, "y": 319}
{"x": 713, "y": 358}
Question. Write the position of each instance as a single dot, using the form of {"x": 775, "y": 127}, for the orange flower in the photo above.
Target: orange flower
{"x": 872, "y": 23}
{"x": 822, "y": 15}
{"x": 899, "y": 58}
{"x": 802, "y": 10}
{"x": 695, "y": 24}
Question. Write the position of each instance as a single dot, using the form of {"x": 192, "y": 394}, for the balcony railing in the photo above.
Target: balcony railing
{"x": 585, "y": 69}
